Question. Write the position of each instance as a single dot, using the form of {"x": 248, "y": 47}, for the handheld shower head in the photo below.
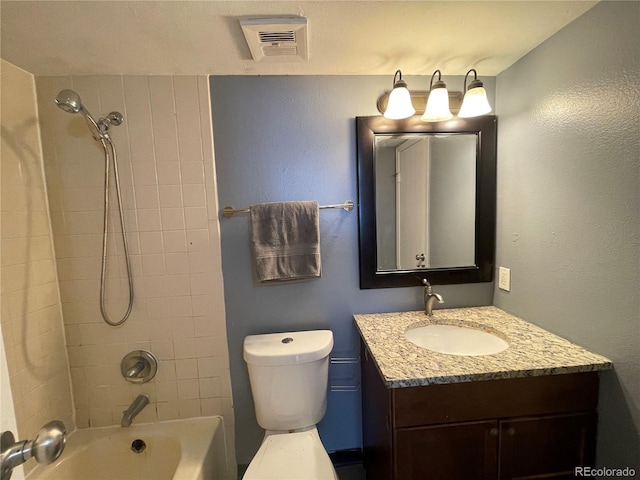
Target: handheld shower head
{"x": 69, "y": 101}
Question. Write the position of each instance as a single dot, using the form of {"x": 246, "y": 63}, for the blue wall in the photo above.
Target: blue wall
{"x": 281, "y": 138}
{"x": 569, "y": 202}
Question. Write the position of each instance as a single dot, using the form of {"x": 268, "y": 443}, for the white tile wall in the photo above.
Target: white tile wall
{"x": 32, "y": 328}
{"x": 166, "y": 166}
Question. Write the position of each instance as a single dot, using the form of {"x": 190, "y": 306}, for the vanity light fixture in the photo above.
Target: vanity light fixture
{"x": 400, "y": 105}
{"x": 438, "y": 102}
{"x": 475, "y": 101}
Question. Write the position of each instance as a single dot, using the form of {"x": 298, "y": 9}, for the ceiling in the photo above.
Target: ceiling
{"x": 345, "y": 37}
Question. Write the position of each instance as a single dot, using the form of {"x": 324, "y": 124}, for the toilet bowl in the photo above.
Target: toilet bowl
{"x": 291, "y": 456}
{"x": 289, "y": 373}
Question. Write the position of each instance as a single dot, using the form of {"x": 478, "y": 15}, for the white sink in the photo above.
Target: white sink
{"x": 456, "y": 340}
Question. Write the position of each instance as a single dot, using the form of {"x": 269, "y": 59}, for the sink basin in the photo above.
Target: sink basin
{"x": 456, "y": 340}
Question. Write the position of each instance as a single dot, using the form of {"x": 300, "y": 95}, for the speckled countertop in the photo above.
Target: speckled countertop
{"x": 532, "y": 351}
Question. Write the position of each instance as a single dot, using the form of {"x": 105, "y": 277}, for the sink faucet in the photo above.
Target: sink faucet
{"x": 134, "y": 409}
{"x": 430, "y": 298}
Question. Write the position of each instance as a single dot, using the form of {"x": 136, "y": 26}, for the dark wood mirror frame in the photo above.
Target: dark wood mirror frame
{"x": 485, "y": 231}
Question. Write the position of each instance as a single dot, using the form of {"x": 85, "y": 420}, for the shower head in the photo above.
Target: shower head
{"x": 69, "y": 101}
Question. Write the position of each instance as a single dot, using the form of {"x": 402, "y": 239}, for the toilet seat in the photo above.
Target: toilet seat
{"x": 291, "y": 456}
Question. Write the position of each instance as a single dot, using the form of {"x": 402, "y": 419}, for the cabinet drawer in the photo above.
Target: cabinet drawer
{"x": 515, "y": 397}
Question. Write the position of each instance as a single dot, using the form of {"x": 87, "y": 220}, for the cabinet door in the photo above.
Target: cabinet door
{"x": 376, "y": 423}
{"x": 546, "y": 447}
{"x": 460, "y": 451}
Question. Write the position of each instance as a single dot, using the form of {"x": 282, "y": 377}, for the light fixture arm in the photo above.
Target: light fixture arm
{"x": 439, "y": 83}
{"x": 399, "y": 82}
{"x": 474, "y": 83}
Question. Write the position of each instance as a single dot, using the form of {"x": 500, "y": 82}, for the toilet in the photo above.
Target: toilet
{"x": 288, "y": 373}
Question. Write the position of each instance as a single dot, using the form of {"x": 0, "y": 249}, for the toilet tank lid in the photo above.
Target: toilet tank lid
{"x": 287, "y": 348}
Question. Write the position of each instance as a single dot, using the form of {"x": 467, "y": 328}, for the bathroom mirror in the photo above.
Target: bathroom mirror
{"x": 427, "y": 200}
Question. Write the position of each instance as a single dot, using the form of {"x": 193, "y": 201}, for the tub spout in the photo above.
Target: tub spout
{"x": 136, "y": 407}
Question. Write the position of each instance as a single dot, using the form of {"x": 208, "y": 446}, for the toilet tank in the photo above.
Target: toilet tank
{"x": 288, "y": 373}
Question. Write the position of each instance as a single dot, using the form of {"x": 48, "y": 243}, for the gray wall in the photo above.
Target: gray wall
{"x": 293, "y": 138}
{"x": 569, "y": 202}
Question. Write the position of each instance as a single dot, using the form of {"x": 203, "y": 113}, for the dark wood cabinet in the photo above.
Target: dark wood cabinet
{"x": 547, "y": 445}
{"x": 519, "y": 428}
{"x": 459, "y": 450}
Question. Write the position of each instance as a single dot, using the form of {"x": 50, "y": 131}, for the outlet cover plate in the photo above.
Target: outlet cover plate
{"x": 504, "y": 279}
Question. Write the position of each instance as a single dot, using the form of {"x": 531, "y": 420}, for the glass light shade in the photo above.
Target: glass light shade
{"x": 399, "y": 105}
{"x": 475, "y": 103}
{"x": 437, "y": 106}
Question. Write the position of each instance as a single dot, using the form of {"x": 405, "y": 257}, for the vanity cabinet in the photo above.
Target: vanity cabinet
{"x": 515, "y": 428}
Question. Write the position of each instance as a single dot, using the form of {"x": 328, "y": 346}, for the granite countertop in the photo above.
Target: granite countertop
{"x": 532, "y": 351}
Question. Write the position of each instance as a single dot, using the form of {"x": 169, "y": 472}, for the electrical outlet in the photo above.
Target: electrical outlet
{"x": 504, "y": 279}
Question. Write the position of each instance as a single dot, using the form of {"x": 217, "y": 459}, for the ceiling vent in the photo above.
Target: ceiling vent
{"x": 276, "y": 39}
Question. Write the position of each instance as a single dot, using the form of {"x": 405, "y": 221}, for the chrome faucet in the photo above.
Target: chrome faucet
{"x": 136, "y": 370}
{"x": 134, "y": 409}
{"x": 430, "y": 298}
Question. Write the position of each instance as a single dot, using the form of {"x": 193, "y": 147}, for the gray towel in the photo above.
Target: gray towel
{"x": 285, "y": 238}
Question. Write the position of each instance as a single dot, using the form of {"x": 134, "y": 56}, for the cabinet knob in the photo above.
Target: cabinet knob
{"x": 511, "y": 431}
{"x": 493, "y": 432}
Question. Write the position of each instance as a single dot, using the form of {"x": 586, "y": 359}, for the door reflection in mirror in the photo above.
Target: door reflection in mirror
{"x": 425, "y": 188}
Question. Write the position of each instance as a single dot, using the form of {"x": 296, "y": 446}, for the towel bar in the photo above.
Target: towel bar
{"x": 229, "y": 212}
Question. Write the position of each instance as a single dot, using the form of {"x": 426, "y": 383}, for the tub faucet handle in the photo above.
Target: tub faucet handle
{"x": 134, "y": 371}
{"x": 139, "y": 366}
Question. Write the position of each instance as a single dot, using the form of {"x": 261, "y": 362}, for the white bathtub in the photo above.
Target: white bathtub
{"x": 191, "y": 449}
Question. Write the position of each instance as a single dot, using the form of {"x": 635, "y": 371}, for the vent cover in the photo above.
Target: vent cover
{"x": 276, "y": 39}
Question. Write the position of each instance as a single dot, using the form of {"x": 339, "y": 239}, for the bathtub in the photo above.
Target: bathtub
{"x": 191, "y": 449}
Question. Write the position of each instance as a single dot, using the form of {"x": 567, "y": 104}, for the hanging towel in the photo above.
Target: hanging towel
{"x": 285, "y": 238}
